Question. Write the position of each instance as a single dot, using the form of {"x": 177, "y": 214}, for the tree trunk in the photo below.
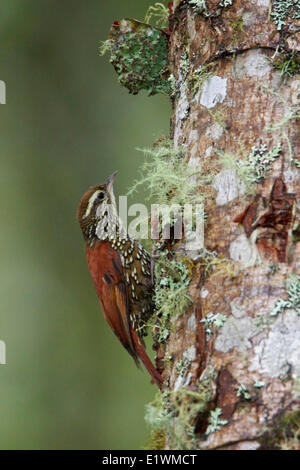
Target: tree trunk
{"x": 232, "y": 361}
{"x": 249, "y": 360}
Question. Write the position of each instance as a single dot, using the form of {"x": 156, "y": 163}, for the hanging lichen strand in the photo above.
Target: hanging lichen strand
{"x": 139, "y": 54}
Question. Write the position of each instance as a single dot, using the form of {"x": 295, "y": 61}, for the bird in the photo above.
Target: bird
{"x": 120, "y": 268}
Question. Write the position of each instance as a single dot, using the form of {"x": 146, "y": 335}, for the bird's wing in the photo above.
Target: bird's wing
{"x": 108, "y": 276}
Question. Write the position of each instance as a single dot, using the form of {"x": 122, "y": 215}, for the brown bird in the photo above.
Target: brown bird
{"x": 120, "y": 269}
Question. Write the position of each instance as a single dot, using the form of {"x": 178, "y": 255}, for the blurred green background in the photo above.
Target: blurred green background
{"x": 67, "y": 124}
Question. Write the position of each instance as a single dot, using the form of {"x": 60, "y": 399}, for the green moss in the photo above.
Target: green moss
{"x": 157, "y": 441}
{"x": 218, "y": 116}
{"x": 288, "y": 63}
{"x": 284, "y": 433}
{"x": 273, "y": 269}
{"x": 283, "y": 10}
{"x": 178, "y": 414}
{"x": 139, "y": 54}
{"x": 237, "y": 26}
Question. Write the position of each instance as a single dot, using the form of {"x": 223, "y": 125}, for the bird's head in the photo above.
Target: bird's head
{"x": 97, "y": 210}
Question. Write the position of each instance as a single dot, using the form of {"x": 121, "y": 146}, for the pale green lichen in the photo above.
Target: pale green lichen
{"x": 213, "y": 320}
{"x": 288, "y": 63}
{"x": 171, "y": 295}
{"x": 258, "y": 384}
{"x": 293, "y": 297}
{"x": 243, "y": 392}
{"x": 200, "y": 6}
{"x": 183, "y": 366}
{"x": 283, "y": 10}
{"x": 168, "y": 177}
{"x": 215, "y": 423}
{"x": 159, "y": 13}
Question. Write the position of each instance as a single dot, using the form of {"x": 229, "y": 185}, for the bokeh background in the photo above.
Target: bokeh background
{"x": 67, "y": 124}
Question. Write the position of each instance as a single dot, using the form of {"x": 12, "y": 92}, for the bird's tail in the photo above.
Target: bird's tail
{"x": 143, "y": 356}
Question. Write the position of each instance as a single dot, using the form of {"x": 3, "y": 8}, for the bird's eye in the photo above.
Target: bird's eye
{"x": 100, "y": 196}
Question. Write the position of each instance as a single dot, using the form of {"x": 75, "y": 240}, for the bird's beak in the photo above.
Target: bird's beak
{"x": 110, "y": 181}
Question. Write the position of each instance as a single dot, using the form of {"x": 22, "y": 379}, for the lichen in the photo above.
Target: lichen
{"x": 281, "y": 128}
{"x": 167, "y": 176}
{"x": 242, "y": 391}
{"x": 200, "y": 6}
{"x": 178, "y": 414}
{"x": 213, "y": 265}
{"x": 159, "y": 13}
{"x": 288, "y": 63}
{"x": 139, "y": 54}
{"x": 293, "y": 297}
{"x": 213, "y": 320}
{"x": 215, "y": 423}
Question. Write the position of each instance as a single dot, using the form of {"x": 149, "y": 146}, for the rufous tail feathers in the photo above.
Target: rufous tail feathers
{"x": 143, "y": 356}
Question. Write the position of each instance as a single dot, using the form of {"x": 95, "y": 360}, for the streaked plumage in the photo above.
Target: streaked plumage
{"x": 120, "y": 269}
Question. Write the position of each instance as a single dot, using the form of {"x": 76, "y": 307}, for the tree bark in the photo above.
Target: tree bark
{"x": 251, "y": 361}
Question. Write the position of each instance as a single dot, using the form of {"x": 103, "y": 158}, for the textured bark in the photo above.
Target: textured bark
{"x": 234, "y": 110}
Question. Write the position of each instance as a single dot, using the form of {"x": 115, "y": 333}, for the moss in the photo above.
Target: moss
{"x": 284, "y": 433}
{"x": 284, "y": 10}
{"x": 237, "y": 26}
{"x": 139, "y": 54}
{"x": 171, "y": 295}
{"x": 177, "y": 415}
{"x": 167, "y": 176}
{"x": 157, "y": 441}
